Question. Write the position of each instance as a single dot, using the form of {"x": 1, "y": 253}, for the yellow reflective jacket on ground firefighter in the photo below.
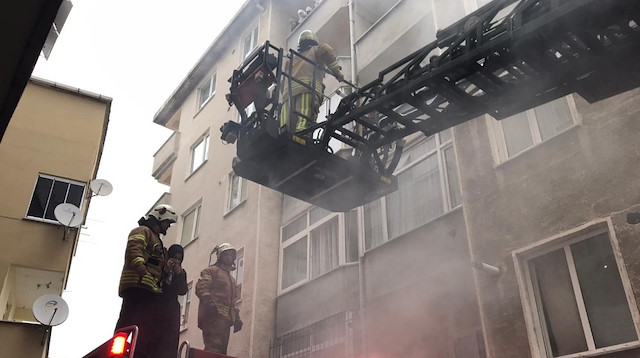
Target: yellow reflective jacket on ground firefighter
{"x": 216, "y": 288}
{"x": 323, "y": 55}
{"x": 144, "y": 252}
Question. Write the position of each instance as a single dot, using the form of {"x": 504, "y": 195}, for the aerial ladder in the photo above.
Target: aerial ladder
{"x": 504, "y": 58}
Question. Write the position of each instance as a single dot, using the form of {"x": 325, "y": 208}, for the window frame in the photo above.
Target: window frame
{"x": 254, "y": 29}
{"x": 445, "y": 187}
{"x": 54, "y": 178}
{"x": 185, "y": 307}
{"x": 206, "y": 139}
{"x": 211, "y": 83}
{"x": 535, "y": 328}
{"x": 306, "y": 232}
{"x": 243, "y": 187}
{"x": 498, "y": 140}
{"x": 197, "y": 209}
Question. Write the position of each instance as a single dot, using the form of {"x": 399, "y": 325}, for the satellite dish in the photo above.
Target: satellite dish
{"x": 101, "y": 187}
{"x": 68, "y": 215}
{"x": 50, "y": 310}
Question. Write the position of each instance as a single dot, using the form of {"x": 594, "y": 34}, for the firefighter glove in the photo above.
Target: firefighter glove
{"x": 237, "y": 325}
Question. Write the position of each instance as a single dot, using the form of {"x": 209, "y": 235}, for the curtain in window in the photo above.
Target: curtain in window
{"x": 324, "y": 247}
{"x": 418, "y": 198}
{"x": 517, "y": 133}
{"x": 452, "y": 176}
{"x": 553, "y": 117}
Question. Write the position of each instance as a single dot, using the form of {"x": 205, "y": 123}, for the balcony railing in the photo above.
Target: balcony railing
{"x": 164, "y": 158}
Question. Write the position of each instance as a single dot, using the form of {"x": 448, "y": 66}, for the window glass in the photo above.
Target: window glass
{"x": 553, "y": 118}
{"x": 417, "y": 200}
{"x": 294, "y": 227}
{"x": 294, "y": 263}
{"x": 602, "y": 291}
{"x": 189, "y": 227}
{"x": 316, "y": 214}
{"x": 199, "y": 153}
{"x": 40, "y": 197}
{"x": 235, "y": 195}
{"x": 373, "y": 225}
{"x": 559, "y": 310}
{"x": 452, "y": 176}
{"x": 351, "y": 236}
{"x": 324, "y": 247}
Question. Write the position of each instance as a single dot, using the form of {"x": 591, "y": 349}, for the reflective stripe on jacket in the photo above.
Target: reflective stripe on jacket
{"x": 144, "y": 249}
{"x": 216, "y": 288}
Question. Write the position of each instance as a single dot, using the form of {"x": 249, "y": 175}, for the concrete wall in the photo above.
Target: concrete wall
{"x": 583, "y": 174}
{"x": 420, "y": 291}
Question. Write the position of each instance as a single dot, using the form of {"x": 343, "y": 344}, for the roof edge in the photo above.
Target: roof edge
{"x": 169, "y": 107}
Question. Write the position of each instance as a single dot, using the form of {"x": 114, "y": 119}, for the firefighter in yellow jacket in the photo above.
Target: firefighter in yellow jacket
{"x": 217, "y": 292}
{"x": 142, "y": 276}
{"x": 305, "y": 100}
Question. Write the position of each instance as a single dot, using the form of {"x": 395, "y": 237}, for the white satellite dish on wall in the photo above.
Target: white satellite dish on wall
{"x": 50, "y": 310}
{"x": 68, "y": 215}
{"x": 101, "y": 187}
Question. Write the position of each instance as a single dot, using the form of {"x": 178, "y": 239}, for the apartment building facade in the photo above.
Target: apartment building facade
{"x": 542, "y": 196}
{"x": 50, "y": 153}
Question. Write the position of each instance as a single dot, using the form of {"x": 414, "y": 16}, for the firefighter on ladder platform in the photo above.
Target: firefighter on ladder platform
{"x": 306, "y": 100}
{"x": 217, "y": 292}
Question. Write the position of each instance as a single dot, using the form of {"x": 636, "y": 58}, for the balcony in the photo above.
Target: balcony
{"x": 391, "y": 36}
{"x": 330, "y": 21}
{"x": 164, "y": 158}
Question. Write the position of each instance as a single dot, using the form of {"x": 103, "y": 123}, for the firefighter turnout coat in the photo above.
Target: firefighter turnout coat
{"x": 216, "y": 288}
{"x": 144, "y": 253}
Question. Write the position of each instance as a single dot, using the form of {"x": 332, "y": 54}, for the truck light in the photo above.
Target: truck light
{"x": 118, "y": 345}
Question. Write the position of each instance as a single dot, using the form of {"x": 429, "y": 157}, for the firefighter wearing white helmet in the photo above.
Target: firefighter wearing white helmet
{"x": 142, "y": 275}
{"x": 218, "y": 294}
{"x": 306, "y": 100}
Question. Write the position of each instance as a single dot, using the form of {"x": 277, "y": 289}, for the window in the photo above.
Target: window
{"x": 331, "y": 337}
{"x": 207, "y": 90}
{"x": 315, "y": 243}
{"x": 427, "y": 188}
{"x": 237, "y": 191}
{"x": 190, "y": 222}
{"x": 249, "y": 43}
{"x": 185, "y": 303}
{"x": 199, "y": 152}
{"x": 238, "y": 273}
{"x": 52, "y": 191}
{"x": 577, "y": 296}
{"x": 524, "y": 130}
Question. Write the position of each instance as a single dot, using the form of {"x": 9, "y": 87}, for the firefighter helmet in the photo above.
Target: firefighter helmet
{"x": 164, "y": 212}
{"x": 307, "y": 35}
{"x": 222, "y": 248}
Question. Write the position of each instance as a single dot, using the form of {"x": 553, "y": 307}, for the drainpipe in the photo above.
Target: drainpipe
{"x": 362, "y": 295}
{"x": 352, "y": 41}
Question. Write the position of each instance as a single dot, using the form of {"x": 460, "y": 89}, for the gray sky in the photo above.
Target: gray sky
{"x": 136, "y": 52}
